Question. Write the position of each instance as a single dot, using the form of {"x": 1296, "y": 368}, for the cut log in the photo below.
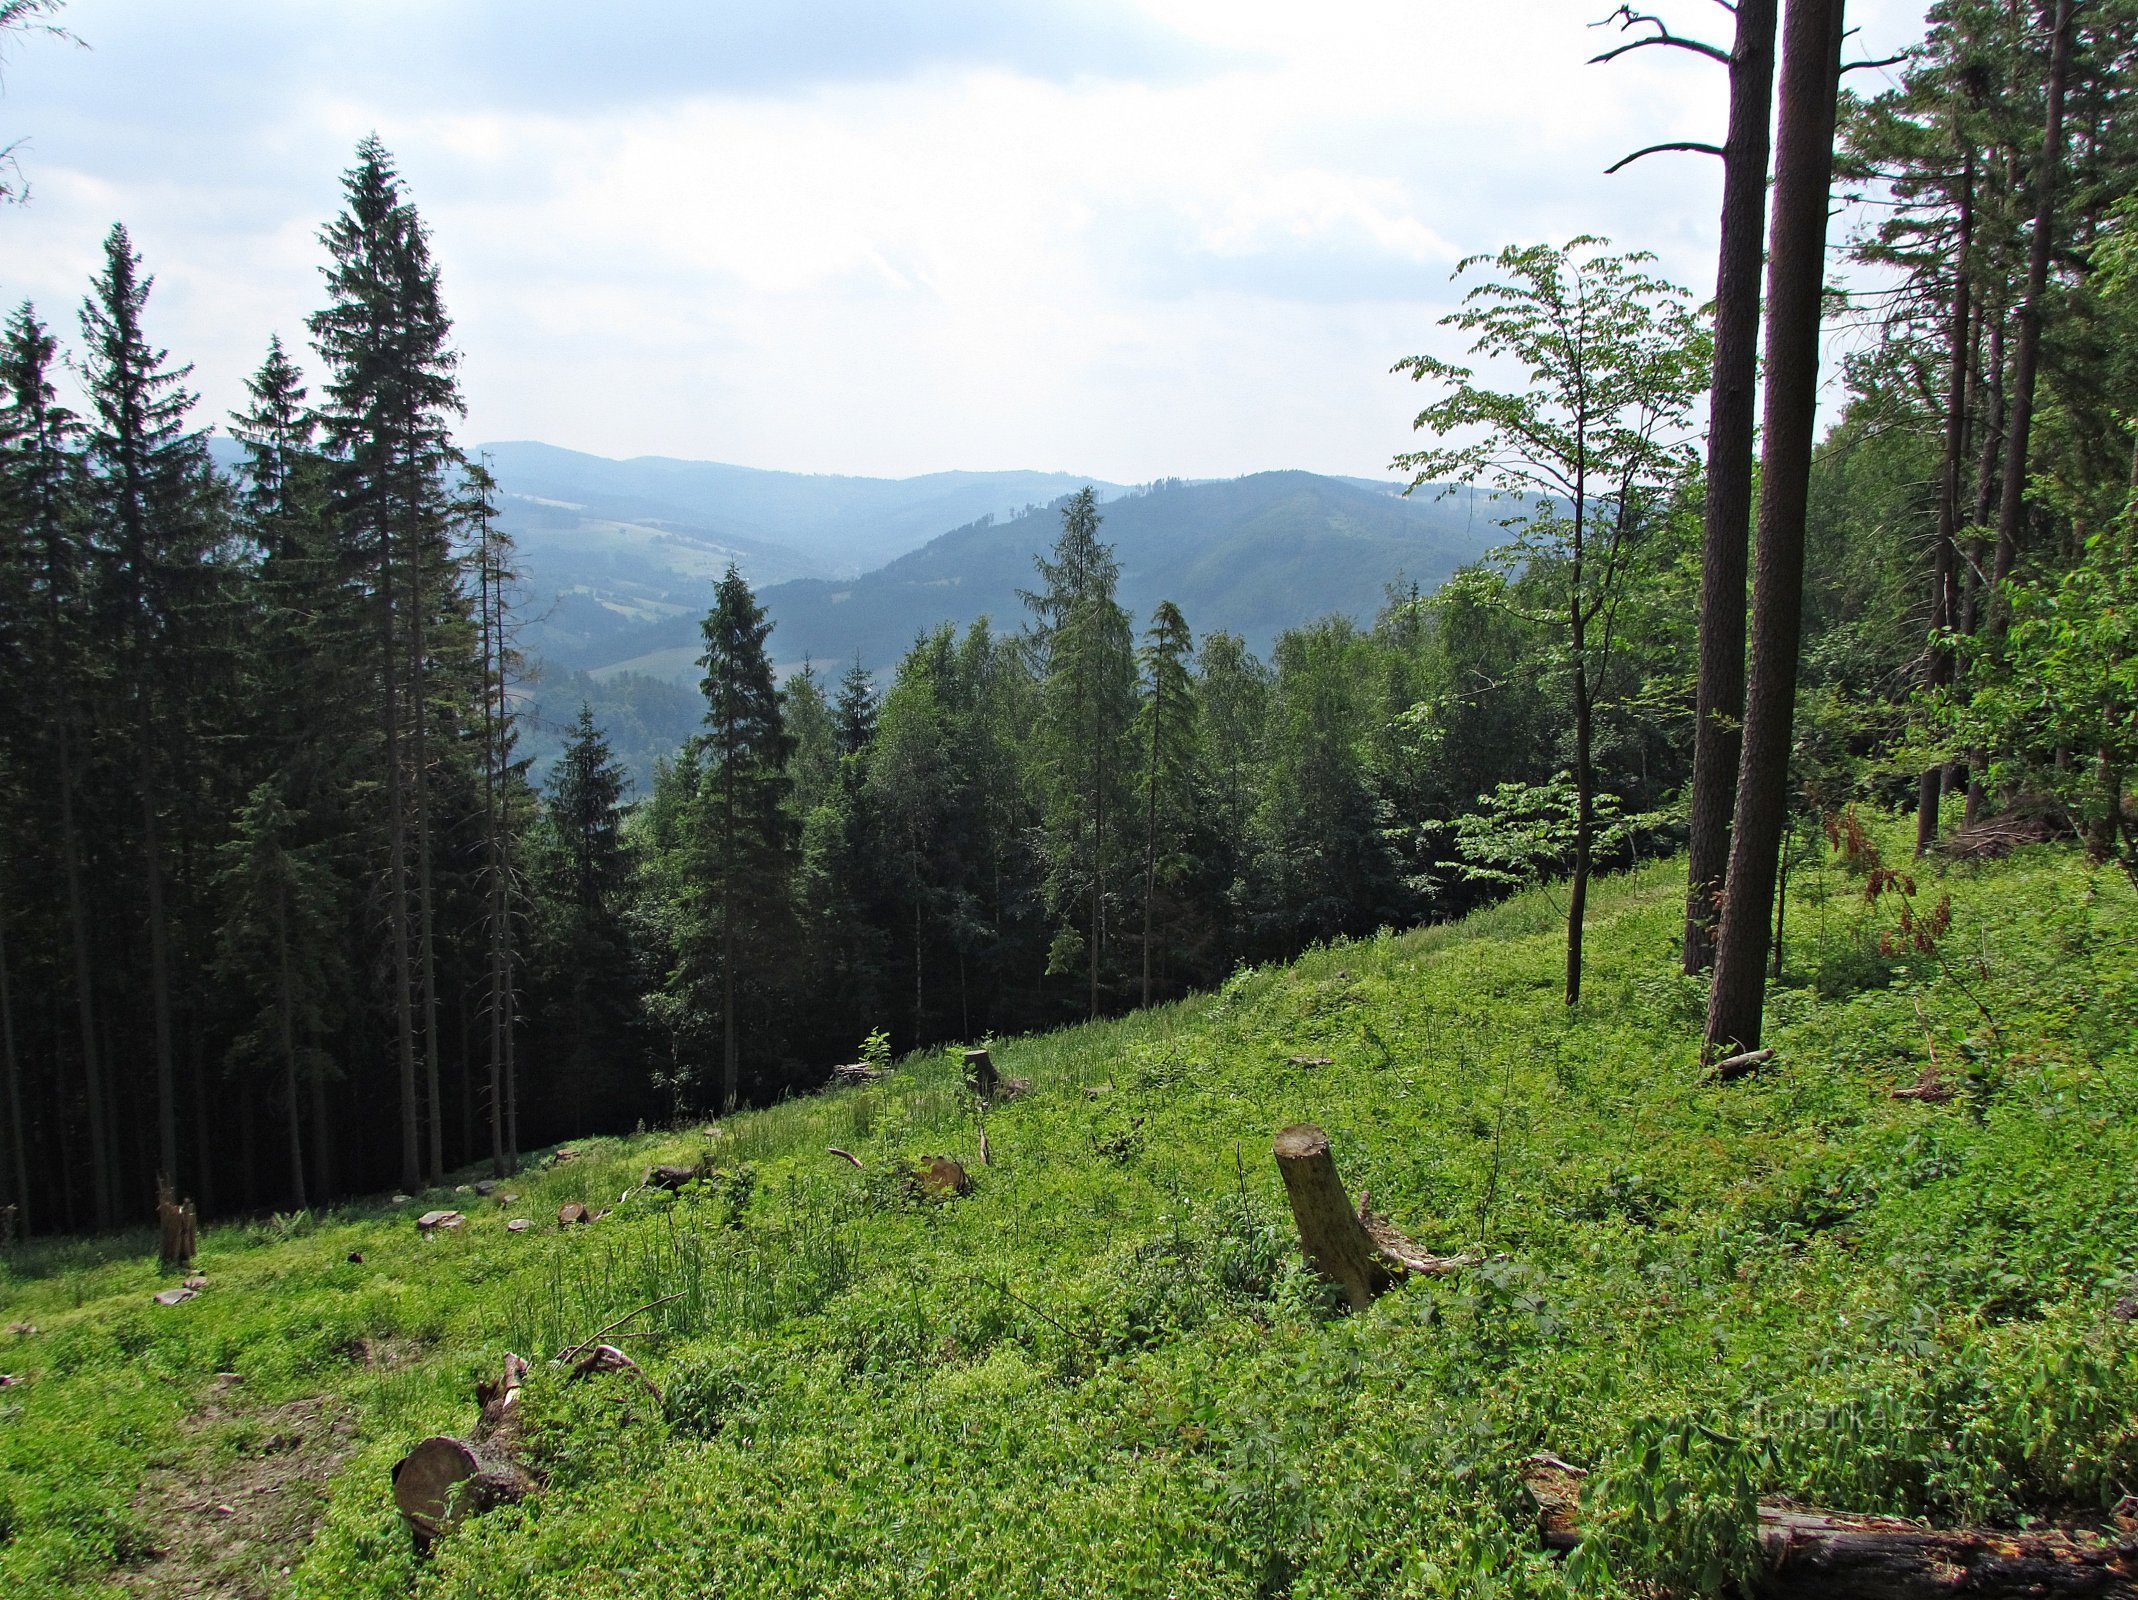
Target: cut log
{"x": 1730, "y": 1068}
{"x": 853, "y": 1074}
{"x": 939, "y": 1178}
{"x": 177, "y": 1227}
{"x": 444, "y": 1480}
{"x": 669, "y": 1177}
{"x": 980, "y": 1074}
{"x": 570, "y": 1212}
{"x": 1361, "y": 1253}
{"x": 1823, "y": 1555}
{"x": 172, "y": 1297}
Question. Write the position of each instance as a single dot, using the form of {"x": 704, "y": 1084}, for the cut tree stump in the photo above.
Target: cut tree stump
{"x": 1826, "y": 1555}
{"x": 571, "y": 1212}
{"x": 940, "y": 1178}
{"x": 177, "y": 1226}
{"x": 433, "y": 1221}
{"x": 445, "y": 1479}
{"x": 981, "y": 1076}
{"x": 1361, "y": 1253}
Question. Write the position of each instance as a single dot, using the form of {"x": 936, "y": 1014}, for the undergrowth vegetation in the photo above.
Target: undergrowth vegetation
{"x": 1105, "y": 1372}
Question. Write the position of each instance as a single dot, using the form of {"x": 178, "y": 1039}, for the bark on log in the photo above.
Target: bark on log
{"x": 1358, "y": 1251}
{"x": 980, "y": 1074}
{"x": 1824, "y": 1555}
{"x": 1730, "y": 1068}
{"x": 445, "y": 1479}
{"x": 669, "y": 1177}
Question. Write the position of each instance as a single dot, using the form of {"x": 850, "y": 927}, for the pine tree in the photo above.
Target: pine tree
{"x": 742, "y": 832}
{"x": 1084, "y": 654}
{"x": 150, "y": 498}
{"x": 586, "y": 951}
{"x": 810, "y": 723}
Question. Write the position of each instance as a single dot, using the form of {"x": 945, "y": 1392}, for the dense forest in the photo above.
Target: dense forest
{"x": 282, "y": 915}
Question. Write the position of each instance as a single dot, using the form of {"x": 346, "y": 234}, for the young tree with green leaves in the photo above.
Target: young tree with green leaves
{"x": 1591, "y": 451}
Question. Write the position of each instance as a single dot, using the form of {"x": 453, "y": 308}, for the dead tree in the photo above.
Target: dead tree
{"x": 177, "y": 1226}
{"x": 1361, "y": 1253}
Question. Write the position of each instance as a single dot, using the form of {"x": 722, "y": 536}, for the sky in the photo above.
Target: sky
{"x": 1128, "y": 238}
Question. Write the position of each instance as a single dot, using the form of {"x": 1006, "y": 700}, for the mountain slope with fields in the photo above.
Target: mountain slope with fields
{"x": 1105, "y": 1371}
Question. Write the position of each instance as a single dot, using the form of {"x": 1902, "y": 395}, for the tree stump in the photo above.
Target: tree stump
{"x": 445, "y": 1479}
{"x": 669, "y": 1177}
{"x": 572, "y": 1212}
{"x": 177, "y": 1227}
{"x": 1360, "y": 1252}
{"x": 981, "y": 1076}
{"x": 939, "y": 1178}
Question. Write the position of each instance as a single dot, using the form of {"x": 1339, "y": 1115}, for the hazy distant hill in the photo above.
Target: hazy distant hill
{"x": 1255, "y": 555}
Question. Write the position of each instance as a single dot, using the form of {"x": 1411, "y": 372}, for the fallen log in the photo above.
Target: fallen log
{"x": 445, "y": 1479}
{"x": 669, "y": 1177}
{"x": 1827, "y": 1555}
{"x": 1730, "y": 1068}
{"x": 1361, "y": 1253}
{"x": 433, "y": 1221}
{"x": 854, "y": 1073}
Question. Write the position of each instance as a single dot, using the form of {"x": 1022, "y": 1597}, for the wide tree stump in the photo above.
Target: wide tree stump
{"x": 177, "y": 1227}
{"x": 1331, "y": 1236}
{"x": 980, "y": 1074}
{"x": 1826, "y": 1555}
{"x": 445, "y": 1479}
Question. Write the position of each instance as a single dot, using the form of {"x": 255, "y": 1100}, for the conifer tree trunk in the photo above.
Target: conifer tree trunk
{"x": 1811, "y": 64}
{"x": 730, "y": 1057}
{"x": 2026, "y": 358}
{"x": 397, "y": 872}
{"x": 1726, "y": 529}
{"x": 159, "y": 956}
{"x": 17, "y": 1144}
{"x": 286, "y": 1027}
{"x": 1150, "y": 834}
{"x": 84, "y": 990}
{"x": 1943, "y": 611}
{"x": 426, "y": 948}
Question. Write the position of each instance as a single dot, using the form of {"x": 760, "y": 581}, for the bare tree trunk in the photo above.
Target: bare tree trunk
{"x": 730, "y": 1054}
{"x": 159, "y": 954}
{"x": 2026, "y": 359}
{"x": 1811, "y": 64}
{"x": 1150, "y": 834}
{"x": 17, "y": 1144}
{"x": 426, "y": 946}
{"x": 397, "y": 875}
{"x": 1577, "y": 899}
{"x": 286, "y": 1025}
{"x": 1726, "y": 530}
{"x": 84, "y": 991}
{"x": 1939, "y": 667}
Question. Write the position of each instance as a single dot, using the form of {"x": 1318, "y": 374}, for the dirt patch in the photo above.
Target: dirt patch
{"x": 234, "y": 1505}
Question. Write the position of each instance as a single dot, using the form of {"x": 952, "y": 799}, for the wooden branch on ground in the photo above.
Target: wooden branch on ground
{"x": 1730, "y": 1068}
{"x": 1361, "y": 1253}
{"x": 599, "y": 1334}
{"x": 844, "y": 1155}
{"x": 1835, "y": 1556}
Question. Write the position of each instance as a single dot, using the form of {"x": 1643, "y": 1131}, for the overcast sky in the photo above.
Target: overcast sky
{"x": 1130, "y": 238}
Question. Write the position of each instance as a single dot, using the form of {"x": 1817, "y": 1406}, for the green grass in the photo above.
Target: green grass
{"x": 1103, "y": 1372}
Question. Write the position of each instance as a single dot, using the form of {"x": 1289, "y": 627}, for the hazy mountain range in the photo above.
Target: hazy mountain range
{"x": 619, "y": 559}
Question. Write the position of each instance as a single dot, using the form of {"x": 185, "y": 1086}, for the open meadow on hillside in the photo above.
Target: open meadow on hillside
{"x": 1104, "y": 1370}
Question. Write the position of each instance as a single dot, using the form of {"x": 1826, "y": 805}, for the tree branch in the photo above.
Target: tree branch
{"x": 1626, "y": 17}
{"x": 1653, "y": 149}
{"x": 1865, "y": 66}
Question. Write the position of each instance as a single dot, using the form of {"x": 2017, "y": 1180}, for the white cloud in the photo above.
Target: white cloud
{"x": 1201, "y": 260}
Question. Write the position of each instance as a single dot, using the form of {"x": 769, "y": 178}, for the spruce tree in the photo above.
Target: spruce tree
{"x": 1084, "y": 654}
{"x": 149, "y": 493}
{"x": 1166, "y": 741}
{"x": 391, "y": 397}
{"x": 741, "y": 830}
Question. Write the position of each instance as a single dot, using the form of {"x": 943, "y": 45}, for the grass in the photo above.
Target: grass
{"x": 1104, "y": 1371}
